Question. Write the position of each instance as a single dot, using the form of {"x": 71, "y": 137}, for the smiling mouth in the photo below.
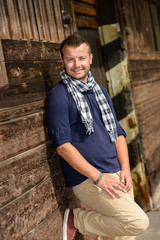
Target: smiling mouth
{"x": 77, "y": 71}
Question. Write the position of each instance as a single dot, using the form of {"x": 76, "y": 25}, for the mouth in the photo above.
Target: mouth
{"x": 77, "y": 71}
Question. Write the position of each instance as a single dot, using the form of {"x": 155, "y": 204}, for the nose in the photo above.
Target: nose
{"x": 76, "y": 63}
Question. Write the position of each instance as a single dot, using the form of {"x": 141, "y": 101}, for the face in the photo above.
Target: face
{"x": 76, "y": 61}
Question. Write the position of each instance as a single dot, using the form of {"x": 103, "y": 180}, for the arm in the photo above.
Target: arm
{"x": 122, "y": 154}
{"x": 109, "y": 184}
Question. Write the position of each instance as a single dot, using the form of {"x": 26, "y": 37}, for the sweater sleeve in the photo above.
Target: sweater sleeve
{"x": 57, "y": 116}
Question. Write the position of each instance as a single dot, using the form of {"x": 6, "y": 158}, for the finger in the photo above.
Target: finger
{"x": 123, "y": 181}
{"x": 110, "y": 194}
{"x": 115, "y": 191}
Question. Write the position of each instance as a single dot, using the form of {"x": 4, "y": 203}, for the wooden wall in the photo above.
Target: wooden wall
{"x": 144, "y": 62}
{"x": 32, "y": 191}
{"x": 40, "y": 20}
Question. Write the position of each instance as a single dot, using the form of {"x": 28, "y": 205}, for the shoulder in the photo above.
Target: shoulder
{"x": 105, "y": 92}
{"x": 58, "y": 93}
{"x": 59, "y": 89}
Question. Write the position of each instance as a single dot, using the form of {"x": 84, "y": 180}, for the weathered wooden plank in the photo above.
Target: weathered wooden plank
{"x": 153, "y": 166}
{"x": 33, "y": 24}
{"x": 32, "y": 72}
{"x": 4, "y": 29}
{"x": 85, "y": 10}
{"x": 143, "y": 65}
{"x": 88, "y": 1}
{"x": 51, "y": 21}
{"x": 143, "y": 55}
{"x": 12, "y": 19}
{"x": 50, "y": 228}
{"x": 22, "y": 134}
{"x": 30, "y": 209}
{"x": 39, "y": 20}
{"x": 44, "y": 17}
{"x": 143, "y": 77}
{"x": 150, "y": 142}
{"x": 14, "y": 50}
{"x": 24, "y": 171}
{"x": 3, "y": 75}
{"x": 146, "y": 109}
{"x": 58, "y": 19}
{"x": 146, "y": 92}
{"x": 21, "y": 110}
{"x": 86, "y": 23}
{"x": 14, "y": 95}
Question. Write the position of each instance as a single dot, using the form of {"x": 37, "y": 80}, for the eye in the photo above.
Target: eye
{"x": 70, "y": 59}
{"x": 82, "y": 58}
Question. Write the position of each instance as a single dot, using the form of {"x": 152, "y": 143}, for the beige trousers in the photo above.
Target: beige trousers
{"x": 119, "y": 218}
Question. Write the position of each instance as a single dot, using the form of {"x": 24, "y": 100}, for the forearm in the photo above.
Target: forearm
{"x": 122, "y": 153}
{"x": 71, "y": 155}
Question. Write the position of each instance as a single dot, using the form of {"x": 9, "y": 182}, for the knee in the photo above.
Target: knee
{"x": 140, "y": 225}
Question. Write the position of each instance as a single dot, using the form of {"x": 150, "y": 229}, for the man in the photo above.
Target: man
{"x": 92, "y": 149}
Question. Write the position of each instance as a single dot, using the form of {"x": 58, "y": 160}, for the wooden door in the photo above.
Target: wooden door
{"x": 87, "y": 26}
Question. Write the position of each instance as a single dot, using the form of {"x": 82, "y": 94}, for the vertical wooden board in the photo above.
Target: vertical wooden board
{"x": 29, "y": 24}
{"x": 58, "y": 17}
{"x": 44, "y": 17}
{"x": 33, "y": 20}
{"x": 4, "y": 30}
{"x": 39, "y": 20}
{"x": 51, "y": 21}
{"x": 12, "y": 19}
{"x": 24, "y": 28}
{"x": 17, "y": 18}
{"x": 130, "y": 21}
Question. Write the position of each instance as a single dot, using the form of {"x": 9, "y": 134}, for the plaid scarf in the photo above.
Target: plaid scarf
{"x": 76, "y": 88}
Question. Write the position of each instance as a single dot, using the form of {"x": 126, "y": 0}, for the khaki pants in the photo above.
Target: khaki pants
{"x": 119, "y": 218}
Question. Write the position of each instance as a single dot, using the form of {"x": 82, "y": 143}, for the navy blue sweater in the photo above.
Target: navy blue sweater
{"x": 65, "y": 124}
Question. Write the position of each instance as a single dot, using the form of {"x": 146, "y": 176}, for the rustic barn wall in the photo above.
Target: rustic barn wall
{"x": 146, "y": 90}
{"x": 32, "y": 191}
{"x": 143, "y": 37}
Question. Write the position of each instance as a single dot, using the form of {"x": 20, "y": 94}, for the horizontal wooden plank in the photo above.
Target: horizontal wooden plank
{"x": 146, "y": 92}
{"x": 21, "y": 134}
{"x": 144, "y": 65}
{"x": 51, "y": 228}
{"x": 24, "y": 171}
{"x": 14, "y": 50}
{"x": 30, "y": 209}
{"x": 85, "y": 10}
{"x": 145, "y": 77}
{"x": 21, "y": 110}
{"x": 150, "y": 142}
{"x": 14, "y": 95}
{"x": 32, "y": 71}
{"x": 135, "y": 55}
{"x": 86, "y": 23}
{"x": 153, "y": 165}
{"x": 88, "y": 1}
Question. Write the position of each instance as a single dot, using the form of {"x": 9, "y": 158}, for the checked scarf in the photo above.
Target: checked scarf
{"x": 76, "y": 88}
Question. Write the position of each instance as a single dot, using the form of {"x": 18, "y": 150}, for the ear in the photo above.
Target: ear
{"x": 62, "y": 61}
{"x": 91, "y": 58}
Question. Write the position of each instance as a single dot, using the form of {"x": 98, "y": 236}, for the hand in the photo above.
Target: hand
{"x": 111, "y": 185}
{"x": 126, "y": 179}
